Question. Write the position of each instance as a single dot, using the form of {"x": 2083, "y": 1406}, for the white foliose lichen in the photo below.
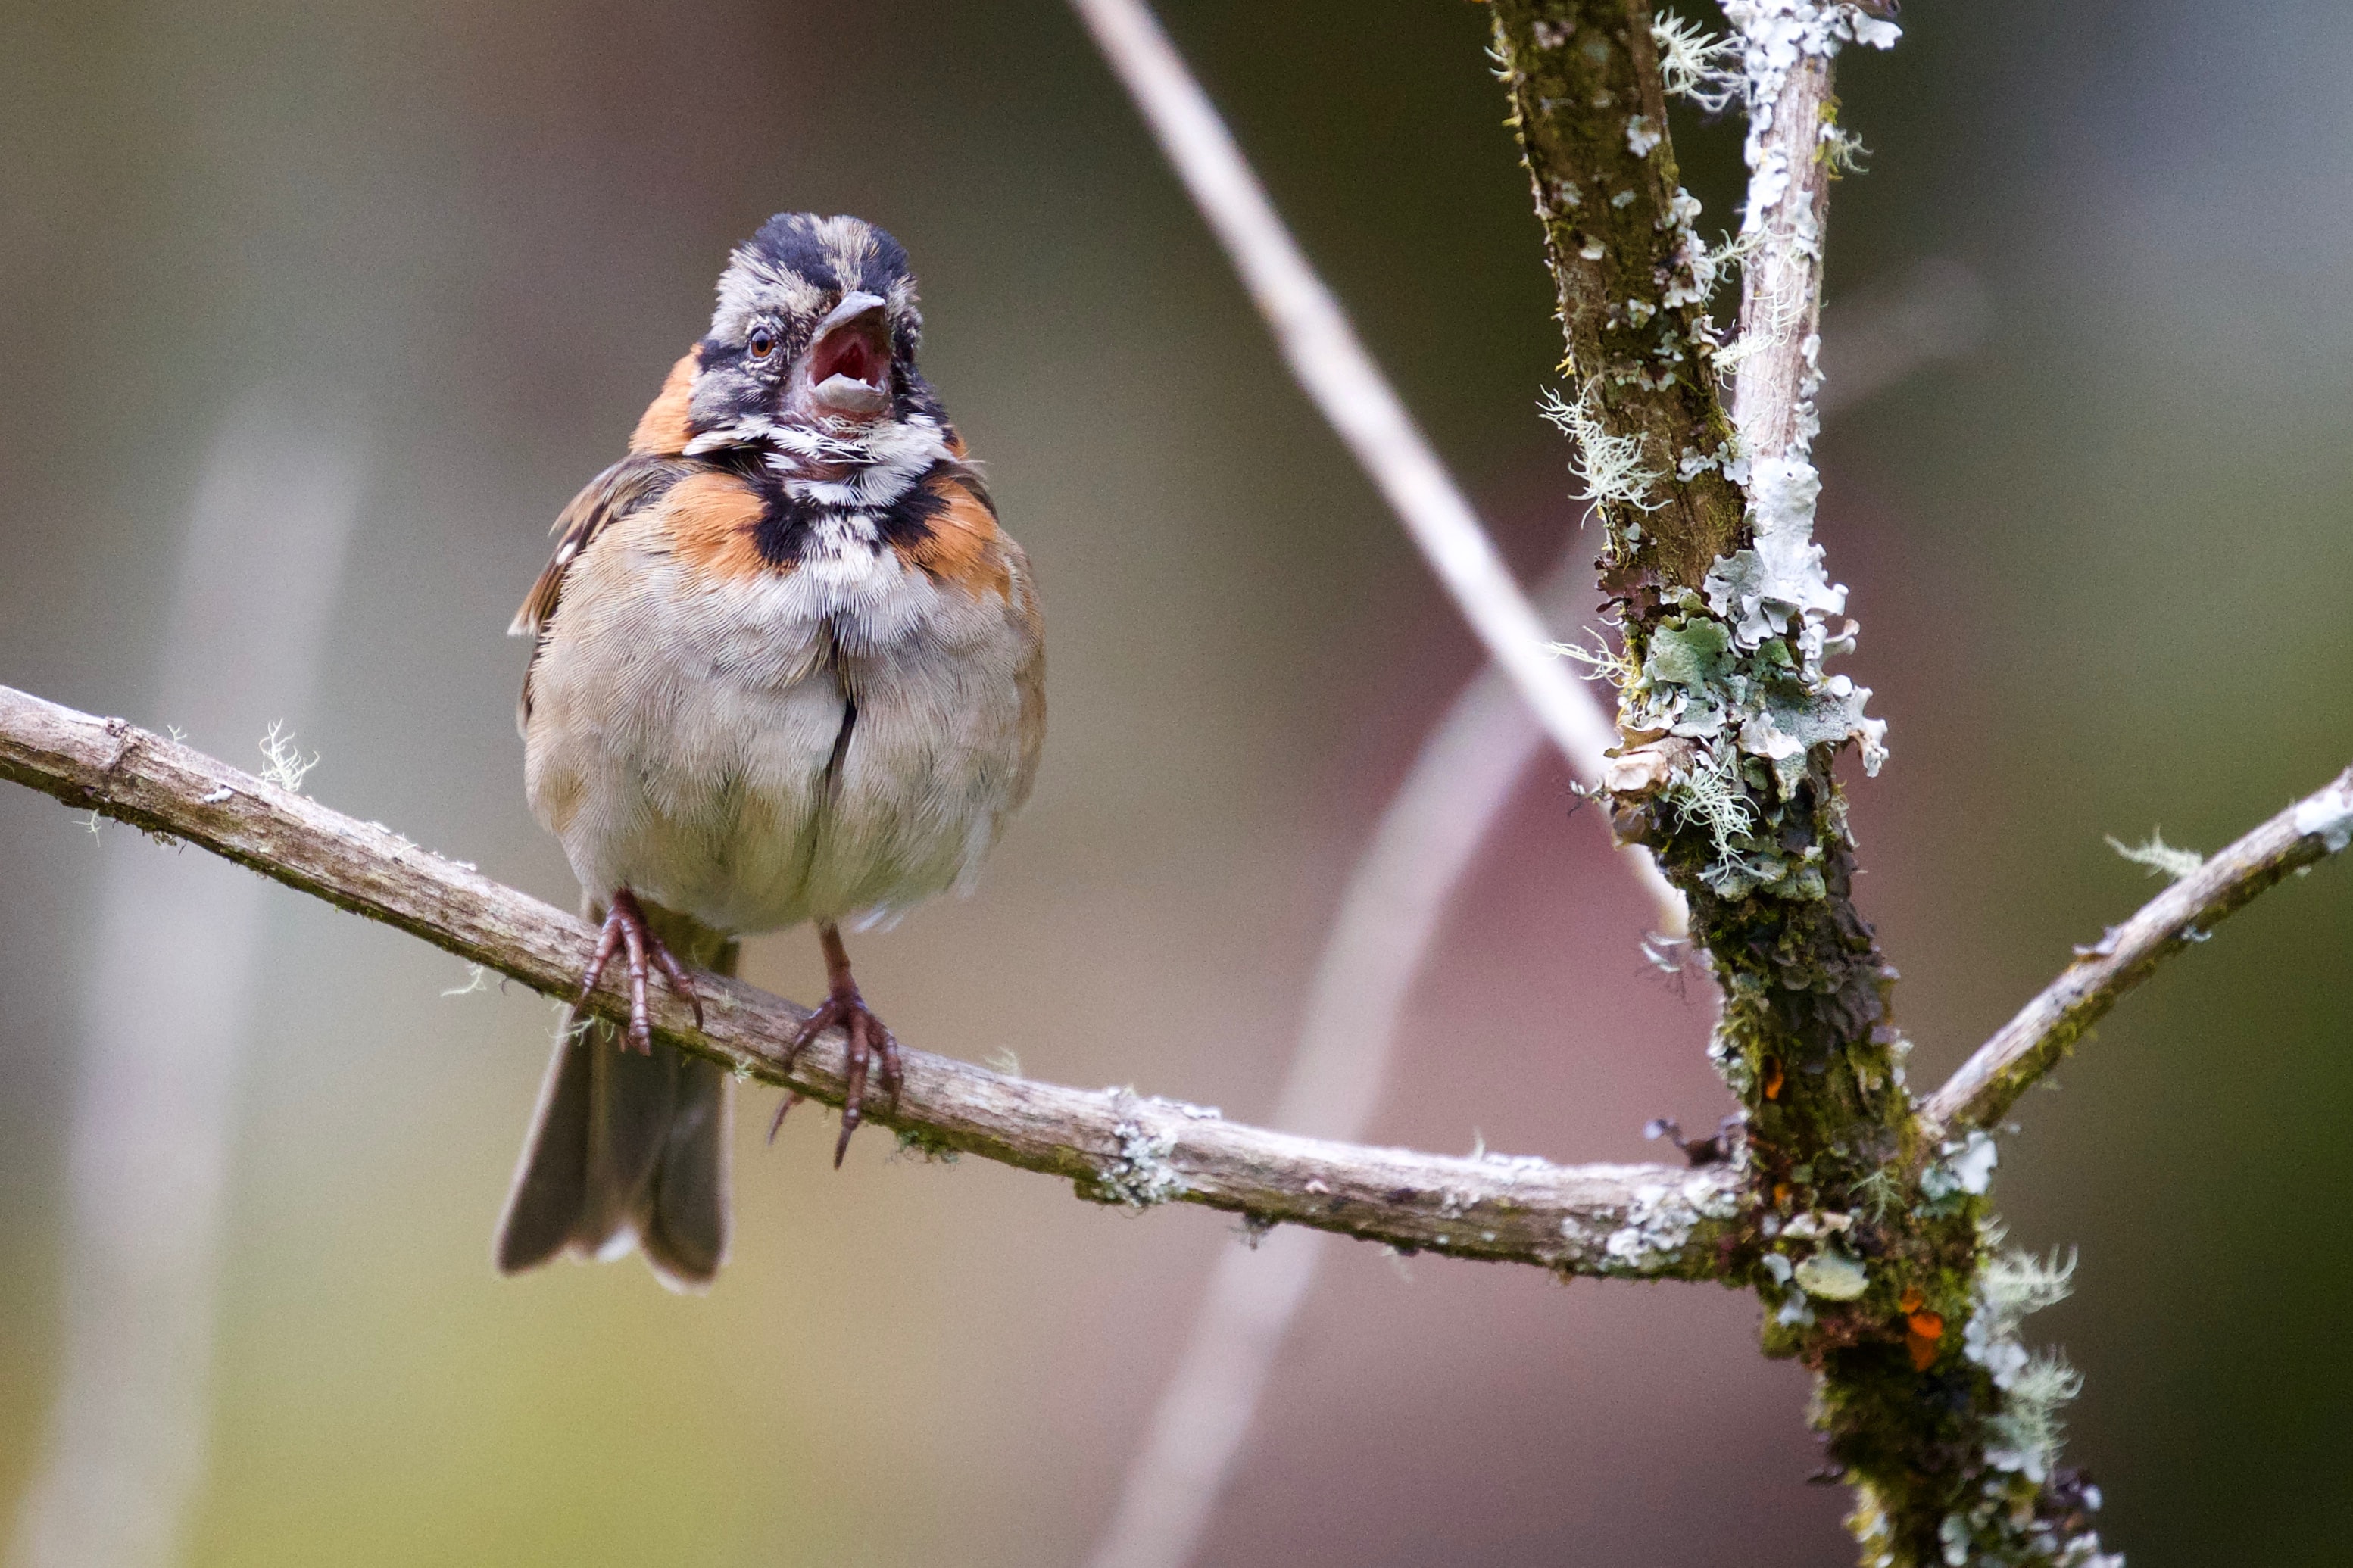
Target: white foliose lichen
{"x": 1724, "y": 723}
{"x": 1773, "y": 37}
{"x": 1967, "y": 1166}
{"x": 1657, "y": 1226}
{"x": 2329, "y": 817}
{"x": 1731, "y": 694}
{"x": 1774, "y": 34}
{"x": 1139, "y": 1174}
{"x": 1831, "y": 1275}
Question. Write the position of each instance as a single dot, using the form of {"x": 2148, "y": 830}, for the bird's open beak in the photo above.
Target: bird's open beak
{"x": 848, "y": 375}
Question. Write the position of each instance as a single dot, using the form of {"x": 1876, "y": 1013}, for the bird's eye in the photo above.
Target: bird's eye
{"x": 763, "y": 342}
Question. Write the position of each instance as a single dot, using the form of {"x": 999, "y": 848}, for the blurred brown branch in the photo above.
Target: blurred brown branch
{"x": 1338, "y": 375}
{"x": 2032, "y": 1043}
{"x": 1624, "y": 1221}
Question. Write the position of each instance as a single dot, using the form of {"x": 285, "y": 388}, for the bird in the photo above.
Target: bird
{"x": 785, "y": 668}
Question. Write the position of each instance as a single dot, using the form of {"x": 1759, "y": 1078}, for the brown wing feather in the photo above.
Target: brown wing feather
{"x": 615, "y": 493}
{"x": 1030, "y": 679}
{"x": 629, "y": 484}
{"x": 634, "y": 481}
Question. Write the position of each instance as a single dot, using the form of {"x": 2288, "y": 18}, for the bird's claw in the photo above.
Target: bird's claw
{"x": 866, "y": 1043}
{"x": 624, "y": 930}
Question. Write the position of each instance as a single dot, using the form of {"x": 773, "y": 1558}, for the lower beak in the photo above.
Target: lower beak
{"x": 849, "y": 359}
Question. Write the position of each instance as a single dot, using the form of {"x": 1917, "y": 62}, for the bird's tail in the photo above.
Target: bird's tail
{"x": 627, "y": 1149}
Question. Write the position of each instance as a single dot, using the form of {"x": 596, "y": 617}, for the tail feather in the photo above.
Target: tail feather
{"x": 550, "y": 1181}
{"x": 684, "y": 1226}
{"x": 627, "y": 1149}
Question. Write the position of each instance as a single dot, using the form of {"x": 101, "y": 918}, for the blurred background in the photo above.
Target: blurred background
{"x": 2101, "y": 561}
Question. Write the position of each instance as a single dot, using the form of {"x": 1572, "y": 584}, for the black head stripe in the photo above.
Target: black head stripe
{"x": 886, "y": 263}
{"x": 791, "y": 242}
{"x": 838, "y": 254}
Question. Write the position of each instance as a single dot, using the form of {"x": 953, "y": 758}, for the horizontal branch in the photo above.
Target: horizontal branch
{"x": 2032, "y": 1043}
{"x": 1632, "y": 1221}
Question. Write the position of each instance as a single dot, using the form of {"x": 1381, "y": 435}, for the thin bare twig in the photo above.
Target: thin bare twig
{"x": 2032, "y": 1043}
{"x": 1115, "y": 1146}
{"x": 1333, "y": 367}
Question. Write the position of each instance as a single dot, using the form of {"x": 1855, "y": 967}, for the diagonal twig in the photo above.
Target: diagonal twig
{"x": 1114, "y": 1145}
{"x": 2032, "y": 1043}
{"x": 1331, "y": 364}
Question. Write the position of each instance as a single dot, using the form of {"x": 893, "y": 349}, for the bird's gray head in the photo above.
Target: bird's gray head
{"x": 813, "y": 341}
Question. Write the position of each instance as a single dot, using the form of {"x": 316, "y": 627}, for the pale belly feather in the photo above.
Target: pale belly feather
{"x": 692, "y": 738}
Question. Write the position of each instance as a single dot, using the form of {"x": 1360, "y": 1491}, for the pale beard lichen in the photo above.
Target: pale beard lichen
{"x": 283, "y": 762}
{"x": 1610, "y": 467}
{"x": 2162, "y": 859}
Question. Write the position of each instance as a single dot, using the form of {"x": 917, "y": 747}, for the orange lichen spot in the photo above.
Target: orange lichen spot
{"x": 1926, "y": 1331}
{"x": 1773, "y": 1079}
{"x": 1912, "y": 1301}
{"x": 1780, "y": 1195}
{"x": 663, "y": 426}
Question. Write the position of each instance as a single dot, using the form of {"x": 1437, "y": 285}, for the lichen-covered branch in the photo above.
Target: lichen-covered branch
{"x": 1729, "y": 725}
{"x": 2046, "y": 1028}
{"x": 1875, "y": 1255}
{"x": 1116, "y": 1146}
{"x": 1778, "y": 353}
{"x": 1633, "y": 279}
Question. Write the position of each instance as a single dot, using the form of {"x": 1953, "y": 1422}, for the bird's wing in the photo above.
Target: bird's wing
{"x": 633, "y": 482}
{"x": 1030, "y": 679}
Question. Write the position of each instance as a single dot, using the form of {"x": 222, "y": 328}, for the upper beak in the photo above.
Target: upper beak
{"x": 849, "y": 358}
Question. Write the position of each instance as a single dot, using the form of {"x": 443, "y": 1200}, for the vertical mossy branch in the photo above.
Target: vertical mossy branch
{"x": 1867, "y": 1250}
{"x": 1633, "y": 276}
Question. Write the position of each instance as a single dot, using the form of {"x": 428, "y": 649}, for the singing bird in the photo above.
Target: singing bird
{"x": 786, "y": 666}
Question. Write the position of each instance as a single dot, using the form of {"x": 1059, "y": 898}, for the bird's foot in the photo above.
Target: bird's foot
{"x": 867, "y": 1045}
{"x": 624, "y": 930}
